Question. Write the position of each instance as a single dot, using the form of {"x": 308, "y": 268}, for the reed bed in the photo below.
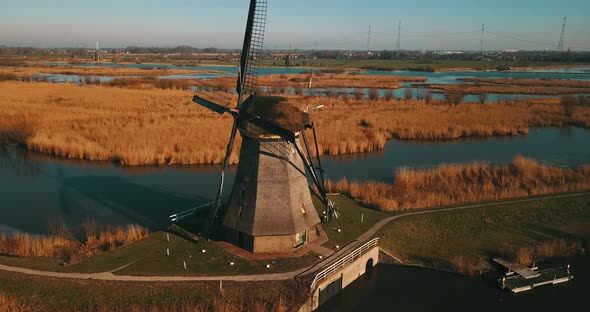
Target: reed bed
{"x": 66, "y": 247}
{"x": 465, "y": 265}
{"x": 150, "y": 83}
{"x": 21, "y": 72}
{"x": 277, "y": 82}
{"x": 18, "y": 128}
{"x": 507, "y": 89}
{"x": 531, "y": 82}
{"x": 130, "y": 127}
{"x": 456, "y": 183}
{"x": 557, "y": 247}
{"x": 156, "y": 126}
{"x": 349, "y": 126}
{"x": 9, "y": 304}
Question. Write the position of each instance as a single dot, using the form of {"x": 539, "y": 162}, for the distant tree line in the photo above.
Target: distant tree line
{"x": 519, "y": 58}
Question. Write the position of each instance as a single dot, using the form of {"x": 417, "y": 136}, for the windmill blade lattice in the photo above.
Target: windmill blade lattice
{"x": 252, "y": 49}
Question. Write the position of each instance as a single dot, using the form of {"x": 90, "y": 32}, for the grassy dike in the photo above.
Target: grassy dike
{"x": 432, "y": 239}
{"x": 31, "y": 293}
{"x": 480, "y": 233}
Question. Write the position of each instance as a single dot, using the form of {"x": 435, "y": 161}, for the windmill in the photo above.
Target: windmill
{"x": 270, "y": 207}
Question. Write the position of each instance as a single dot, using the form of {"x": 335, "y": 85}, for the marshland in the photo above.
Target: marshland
{"x": 134, "y": 149}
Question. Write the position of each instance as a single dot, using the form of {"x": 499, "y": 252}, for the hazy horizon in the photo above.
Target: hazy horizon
{"x": 304, "y": 24}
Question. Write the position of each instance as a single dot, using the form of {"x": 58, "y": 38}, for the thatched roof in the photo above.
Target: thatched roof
{"x": 278, "y": 111}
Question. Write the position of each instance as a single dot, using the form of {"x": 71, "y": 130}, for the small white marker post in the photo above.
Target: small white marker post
{"x": 167, "y": 252}
{"x": 167, "y": 237}
{"x": 362, "y": 217}
{"x": 184, "y": 264}
{"x": 220, "y": 285}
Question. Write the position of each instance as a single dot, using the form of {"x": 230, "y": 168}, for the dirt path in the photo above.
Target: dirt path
{"x": 109, "y": 276}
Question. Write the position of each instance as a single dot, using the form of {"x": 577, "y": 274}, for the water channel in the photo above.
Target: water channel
{"x": 39, "y": 191}
{"x": 400, "y": 288}
{"x": 432, "y": 78}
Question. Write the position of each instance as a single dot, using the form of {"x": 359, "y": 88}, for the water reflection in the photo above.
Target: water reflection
{"x": 37, "y": 190}
{"x": 392, "y": 288}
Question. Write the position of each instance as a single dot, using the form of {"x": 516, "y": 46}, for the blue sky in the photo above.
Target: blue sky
{"x": 342, "y": 24}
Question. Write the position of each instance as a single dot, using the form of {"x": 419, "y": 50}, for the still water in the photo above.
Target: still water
{"x": 38, "y": 191}
{"x": 399, "y": 288}
{"x": 432, "y": 78}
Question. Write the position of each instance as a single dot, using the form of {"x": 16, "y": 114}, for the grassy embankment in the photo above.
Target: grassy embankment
{"x": 152, "y": 126}
{"x": 455, "y": 183}
{"x": 524, "y": 232}
{"x": 29, "y": 293}
{"x": 148, "y": 256}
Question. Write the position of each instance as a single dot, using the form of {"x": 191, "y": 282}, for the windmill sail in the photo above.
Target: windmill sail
{"x": 253, "y": 43}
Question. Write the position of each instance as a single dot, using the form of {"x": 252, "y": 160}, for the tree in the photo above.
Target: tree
{"x": 454, "y": 98}
{"x": 408, "y": 94}
{"x": 428, "y": 97}
{"x": 373, "y": 94}
{"x": 482, "y": 97}
{"x": 388, "y": 95}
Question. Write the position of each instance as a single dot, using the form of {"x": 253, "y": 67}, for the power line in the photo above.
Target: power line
{"x": 562, "y": 37}
{"x": 483, "y": 29}
{"x": 399, "y": 36}
{"x": 369, "y": 40}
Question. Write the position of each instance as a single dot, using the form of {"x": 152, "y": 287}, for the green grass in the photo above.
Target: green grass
{"x": 488, "y": 231}
{"x": 349, "y": 221}
{"x": 148, "y": 257}
{"x": 50, "y": 294}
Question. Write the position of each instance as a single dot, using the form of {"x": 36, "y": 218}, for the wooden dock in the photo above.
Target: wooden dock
{"x": 518, "y": 268}
{"x": 528, "y": 278}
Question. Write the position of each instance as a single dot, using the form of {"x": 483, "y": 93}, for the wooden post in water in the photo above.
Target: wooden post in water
{"x": 167, "y": 251}
{"x": 184, "y": 264}
{"x": 167, "y": 236}
{"x": 362, "y": 217}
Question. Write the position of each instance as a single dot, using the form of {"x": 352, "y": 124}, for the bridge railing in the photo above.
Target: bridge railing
{"x": 343, "y": 262}
{"x": 187, "y": 213}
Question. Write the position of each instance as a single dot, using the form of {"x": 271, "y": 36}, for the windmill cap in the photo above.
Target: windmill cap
{"x": 278, "y": 111}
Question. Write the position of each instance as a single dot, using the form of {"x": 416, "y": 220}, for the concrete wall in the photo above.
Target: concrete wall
{"x": 349, "y": 274}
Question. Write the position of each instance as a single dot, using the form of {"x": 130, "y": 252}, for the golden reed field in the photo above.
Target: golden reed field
{"x": 322, "y": 80}
{"x": 63, "y": 245}
{"x": 26, "y": 72}
{"x": 156, "y": 126}
{"x": 455, "y": 183}
{"x": 509, "y": 89}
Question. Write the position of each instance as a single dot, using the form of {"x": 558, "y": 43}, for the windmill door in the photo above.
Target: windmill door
{"x": 304, "y": 236}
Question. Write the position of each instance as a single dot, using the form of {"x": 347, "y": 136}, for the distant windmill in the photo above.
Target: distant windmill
{"x": 270, "y": 207}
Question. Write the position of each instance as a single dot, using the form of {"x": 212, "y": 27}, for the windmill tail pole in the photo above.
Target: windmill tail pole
{"x": 213, "y": 212}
